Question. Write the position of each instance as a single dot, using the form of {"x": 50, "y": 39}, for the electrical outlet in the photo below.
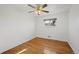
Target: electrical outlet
{"x": 49, "y": 36}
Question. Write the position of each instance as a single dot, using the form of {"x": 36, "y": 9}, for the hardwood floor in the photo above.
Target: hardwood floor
{"x": 41, "y": 46}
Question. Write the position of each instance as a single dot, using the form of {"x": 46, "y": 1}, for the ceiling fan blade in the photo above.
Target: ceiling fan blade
{"x": 30, "y": 11}
{"x": 45, "y": 5}
{"x": 31, "y": 5}
{"x": 45, "y": 11}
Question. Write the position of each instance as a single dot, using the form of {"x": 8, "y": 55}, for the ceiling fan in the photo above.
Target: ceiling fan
{"x": 39, "y": 8}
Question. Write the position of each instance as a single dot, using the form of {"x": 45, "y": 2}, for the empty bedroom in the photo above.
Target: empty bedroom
{"x": 39, "y": 29}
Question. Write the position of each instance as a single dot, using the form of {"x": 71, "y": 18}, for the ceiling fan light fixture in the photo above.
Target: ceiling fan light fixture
{"x": 38, "y": 12}
{"x": 39, "y": 9}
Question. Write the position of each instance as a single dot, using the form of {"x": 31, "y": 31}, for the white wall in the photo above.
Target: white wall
{"x": 59, "y": 32}
{"x": 74, "y": 27}
{"x": 16, "y": 26}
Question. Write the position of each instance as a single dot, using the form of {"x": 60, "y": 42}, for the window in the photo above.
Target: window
{"x": 50, "y": 22}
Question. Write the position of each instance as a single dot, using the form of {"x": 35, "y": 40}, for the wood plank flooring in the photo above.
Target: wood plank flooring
{"x": 41, "y": 46}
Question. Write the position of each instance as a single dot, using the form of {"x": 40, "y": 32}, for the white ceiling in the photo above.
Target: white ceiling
{"x": 52, "y": 8}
